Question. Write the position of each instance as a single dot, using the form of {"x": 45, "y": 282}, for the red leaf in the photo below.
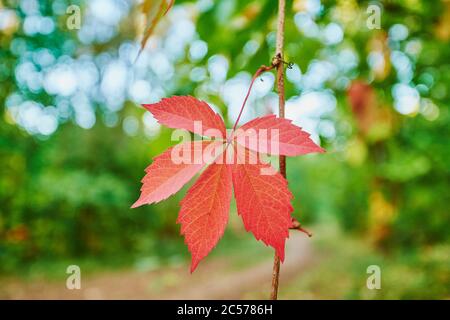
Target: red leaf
{"x": 204, "y": 211}
{"x": 165, "y": 176}
{"x": 272, "y": 135}
{"x": 262, "y": 195}
{"x": 263, "y": 201}
{"x": 181, "y": 112}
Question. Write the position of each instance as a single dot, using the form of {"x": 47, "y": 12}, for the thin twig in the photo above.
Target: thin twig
{"x": 282, "y": 160}
{"x": 297, "y": 226}
{"x": 258, "y": 72}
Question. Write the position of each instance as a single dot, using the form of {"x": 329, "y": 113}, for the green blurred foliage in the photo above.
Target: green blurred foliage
{"x": 63, "y": 200}
{"x": 412, "y": 274}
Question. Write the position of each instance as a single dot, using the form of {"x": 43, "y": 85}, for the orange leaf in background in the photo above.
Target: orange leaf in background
{"x": 363, "y": 103}
{"x": 374, "y": 120}
{"x": 379, "y": 45}
{"x": 442, "y": 28}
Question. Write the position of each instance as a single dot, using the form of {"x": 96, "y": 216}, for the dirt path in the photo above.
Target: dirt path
{"x": 214, "y": 281}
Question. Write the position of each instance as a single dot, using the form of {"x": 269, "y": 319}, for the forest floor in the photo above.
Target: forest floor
{"x": 216, "y": 278}
{"x": 330, "y": 265}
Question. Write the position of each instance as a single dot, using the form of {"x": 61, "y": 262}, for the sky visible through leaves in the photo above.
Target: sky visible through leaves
{"x": 82, "y": 81}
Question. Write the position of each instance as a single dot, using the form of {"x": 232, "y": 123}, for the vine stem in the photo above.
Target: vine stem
{"x": 258, "y": 72}
{"x": 281, "y": 101}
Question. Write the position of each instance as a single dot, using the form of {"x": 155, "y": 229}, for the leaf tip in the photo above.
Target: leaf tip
{"x": 321, "y": 150}
{"x": 135, "y": 205}
{"x": 280, "y": 253}
{"x": 139, "y": 202}
{"x": 148, "y": 106}
{"x": 194, "y": 265}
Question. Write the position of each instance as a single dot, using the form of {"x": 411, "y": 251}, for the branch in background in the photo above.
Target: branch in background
{"x": 147, "y": 7}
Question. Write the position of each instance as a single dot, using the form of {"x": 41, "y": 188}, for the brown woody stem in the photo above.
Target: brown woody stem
{"x": 278, "y": 61}
{"x": 297, "y": 226}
